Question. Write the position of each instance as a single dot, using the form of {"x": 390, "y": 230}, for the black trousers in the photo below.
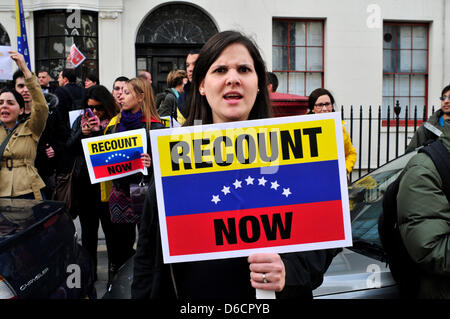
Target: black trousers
{"x": 92, "y": 212}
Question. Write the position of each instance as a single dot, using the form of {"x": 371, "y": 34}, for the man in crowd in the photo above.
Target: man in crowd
{"x": 190, "y": 63}
{"x": 424, "y": 220}
{"x": 20, "y": 87}
{"x": 118, "y": 86}
{"x": 46, "y": 83}
{"x": 432, "y": 129}
{"x": 146, "y": 76}
{"x": 273, "y": 82}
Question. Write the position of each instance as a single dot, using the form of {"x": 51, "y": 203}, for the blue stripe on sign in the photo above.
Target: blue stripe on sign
{"x": 251, "y": 188}
{"x": 115, "y": 157}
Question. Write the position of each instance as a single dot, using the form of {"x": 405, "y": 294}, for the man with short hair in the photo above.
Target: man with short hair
{"x": 20, "y": 87}
{"x": 272, "y": 81}
{"x": 432, "y": 128}
{"x": 45, "y": 81}
{"x": 191, "y": 58}
{"x": 146, "y": 76}
{"x": 118, "y": 87}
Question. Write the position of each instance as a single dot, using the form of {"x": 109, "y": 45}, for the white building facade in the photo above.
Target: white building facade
{"x": 367, "y": 52}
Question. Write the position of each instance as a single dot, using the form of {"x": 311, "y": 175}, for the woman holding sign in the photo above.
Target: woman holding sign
{"x": 229, "y": 84}
{"x": 138, "y": 111}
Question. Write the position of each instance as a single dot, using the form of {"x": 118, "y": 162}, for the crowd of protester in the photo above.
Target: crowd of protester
{"x": 48, "y": 152}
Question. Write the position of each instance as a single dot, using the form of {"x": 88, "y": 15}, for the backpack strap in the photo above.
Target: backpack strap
{"x": 441, "y": 159}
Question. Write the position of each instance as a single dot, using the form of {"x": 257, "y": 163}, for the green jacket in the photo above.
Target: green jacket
{"x": 424, "y": 134}
{"x": 424, "y": 221}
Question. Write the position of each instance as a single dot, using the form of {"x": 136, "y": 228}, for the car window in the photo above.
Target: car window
{"x": 366, "y": 198}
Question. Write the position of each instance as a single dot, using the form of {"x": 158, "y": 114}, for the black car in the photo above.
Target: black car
{"x": 39, "y": 254}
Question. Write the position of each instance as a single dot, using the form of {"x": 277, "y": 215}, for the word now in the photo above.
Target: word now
{"x": 270, "y": 230}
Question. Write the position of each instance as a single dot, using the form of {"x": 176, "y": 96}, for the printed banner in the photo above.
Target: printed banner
{"x": 22, "y": 41}
{"x": 75, "y": 56}
{"x": 115, "y": 155}
{"x": 272, "y": 185}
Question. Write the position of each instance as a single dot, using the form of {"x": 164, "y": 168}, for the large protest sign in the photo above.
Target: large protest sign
{"x": 273, "y": 185}
{"x": 115, "y": 155}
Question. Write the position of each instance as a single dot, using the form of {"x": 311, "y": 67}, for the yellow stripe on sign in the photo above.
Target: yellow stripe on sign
{"x": 251, "y": 147}
{"x": 114, "y": 144}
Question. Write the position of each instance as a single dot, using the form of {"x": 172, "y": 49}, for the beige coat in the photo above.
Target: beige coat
{"x": 23, "y": 178}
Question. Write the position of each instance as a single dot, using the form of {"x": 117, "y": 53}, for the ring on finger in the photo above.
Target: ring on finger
{"x": 264, "y": 278}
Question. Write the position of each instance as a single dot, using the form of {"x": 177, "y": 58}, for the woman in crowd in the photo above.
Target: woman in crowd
{"x": 175, "y": 86}
{"x": 19, "y": 178}
{"x": 92, "y": 210}
{"x": 91, "y": 80}
{"x": 322, "y": 101}
{"x": 138, "y": 111}
{"x": 229, "y": 84}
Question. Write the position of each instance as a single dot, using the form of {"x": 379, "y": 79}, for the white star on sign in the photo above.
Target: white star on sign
{"x": 286, "y": 192}
{"x": 249, "y": 180}
{"x": 275, "y": 185}
{"x": 262, "y": 181}
{"x": 226, "y": 190}
{"x": 215, "y": 199}
{"x": 237, "y": 184}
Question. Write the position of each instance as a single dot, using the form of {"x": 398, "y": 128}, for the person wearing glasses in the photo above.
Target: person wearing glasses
{"x": 322, "y": 101}
{"x": 92, "y": 210}
{"x": 432, "y": 128}
{"x": 118, "y": 86}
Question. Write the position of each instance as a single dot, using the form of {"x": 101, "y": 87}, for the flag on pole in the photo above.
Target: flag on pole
{"x": 75, "y": 56}
{"x": 22, "y": 41}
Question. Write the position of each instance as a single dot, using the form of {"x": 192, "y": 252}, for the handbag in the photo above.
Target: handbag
{"x": 137, "y": 195}
{"x": 64, "y": 191}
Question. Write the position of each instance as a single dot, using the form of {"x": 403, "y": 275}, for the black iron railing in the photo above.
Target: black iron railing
{"x": 375, "y": 135}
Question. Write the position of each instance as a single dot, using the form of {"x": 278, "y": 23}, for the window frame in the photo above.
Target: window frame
{"x": 290, "y": 47}
{"x": 396, "y": 50}
{"x": 82, "y": 70}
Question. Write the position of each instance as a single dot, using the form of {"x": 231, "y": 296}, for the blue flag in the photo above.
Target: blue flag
{"x": 22, "y": 41}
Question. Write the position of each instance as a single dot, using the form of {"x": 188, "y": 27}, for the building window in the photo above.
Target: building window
{"x": 405, "y": 67}
{"x": 4, "y": 38}
{"x": 298, "y": 55}
{"x": 56, "y": 31}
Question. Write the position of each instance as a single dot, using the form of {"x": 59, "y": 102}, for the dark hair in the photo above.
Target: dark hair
{"x": 316, "y": 94}
{"x": 105, "y": 98}
{"x": 69, "y": 74}
{"x": 193, "y": 51}
{"x": 447, "y": 88}
{"x": 121, "y": 79}
{"x": 16, "y": 94}
{"x": 16, "y": 75}
{"x": 272, "y": 79}
{"x": 198, "y": 104}
{"x": 93, "y": 77}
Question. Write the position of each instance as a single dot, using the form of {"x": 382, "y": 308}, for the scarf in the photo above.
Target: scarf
{"x": 129, "y": 121}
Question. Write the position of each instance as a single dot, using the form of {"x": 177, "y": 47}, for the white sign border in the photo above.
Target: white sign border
{"x": 347, "y": 242}
{"x": 85, "y": 142}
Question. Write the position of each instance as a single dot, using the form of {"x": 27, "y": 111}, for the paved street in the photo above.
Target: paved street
{"x": 102, "y": 260}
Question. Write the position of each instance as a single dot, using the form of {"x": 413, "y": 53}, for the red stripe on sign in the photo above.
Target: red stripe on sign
{"x": 117, "y": 169}
{"x": 255, "y": 228}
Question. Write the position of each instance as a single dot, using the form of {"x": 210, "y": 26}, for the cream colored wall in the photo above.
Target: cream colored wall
{"x": 353, "y": 47}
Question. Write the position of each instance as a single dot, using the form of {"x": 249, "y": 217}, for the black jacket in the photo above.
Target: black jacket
{"x": 214, "y": 279}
